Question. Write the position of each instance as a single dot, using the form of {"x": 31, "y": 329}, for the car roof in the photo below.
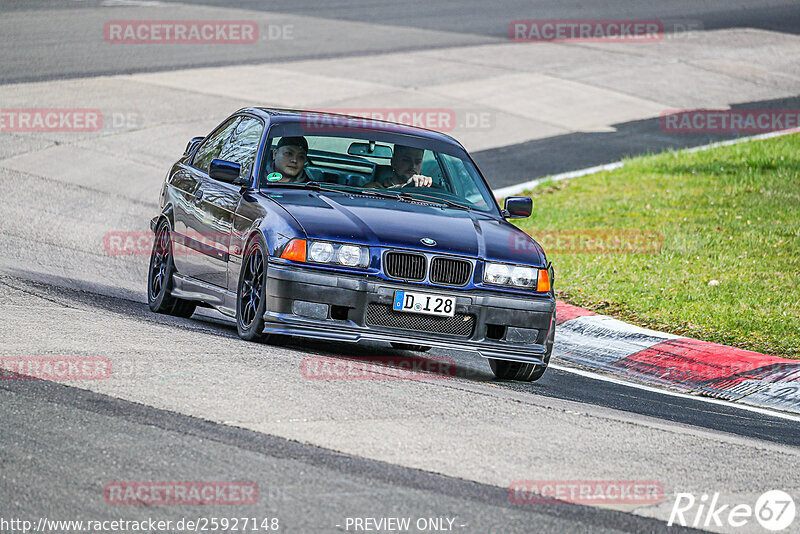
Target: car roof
{"x": 278, "y": 115}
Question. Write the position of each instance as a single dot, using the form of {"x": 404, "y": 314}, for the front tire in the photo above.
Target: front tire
{"x": 251, "y": 295}
{"x": 525, "y": 372}
{"x": 159, "y": 277}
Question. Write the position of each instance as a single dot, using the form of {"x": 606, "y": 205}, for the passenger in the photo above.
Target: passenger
{"x": 288, "y": 160}
{"x": 406, "y": 167}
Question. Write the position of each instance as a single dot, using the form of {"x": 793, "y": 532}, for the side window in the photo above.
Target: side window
{"x": 430, "y": 167}
{"x": 242, "y": 145}
{"x": 464, "y": 182}
{"x": 211, "y": 147}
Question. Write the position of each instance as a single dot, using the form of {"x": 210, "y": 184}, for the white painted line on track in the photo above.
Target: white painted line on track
{"x": 711, "y": 400}
{"x": 729, "y": 142}
{"x": 519, "y": 188}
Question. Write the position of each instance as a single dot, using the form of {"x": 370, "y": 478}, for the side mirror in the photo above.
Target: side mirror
{"x": 225, "y": 171}
{"x": 518, "y": 207}
{"x": 192, "y": 145}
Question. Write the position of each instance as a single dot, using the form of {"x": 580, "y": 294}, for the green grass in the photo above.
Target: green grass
{"x": 730, "y": 214}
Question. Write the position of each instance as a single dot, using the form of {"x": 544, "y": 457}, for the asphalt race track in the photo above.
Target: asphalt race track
{"x": 188, "y": 401}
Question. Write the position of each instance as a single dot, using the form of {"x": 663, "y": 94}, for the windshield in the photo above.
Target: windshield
{"x": 391, "y": 166}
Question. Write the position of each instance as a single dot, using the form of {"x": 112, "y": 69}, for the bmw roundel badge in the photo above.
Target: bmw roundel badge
{"x": 428, "y": 241}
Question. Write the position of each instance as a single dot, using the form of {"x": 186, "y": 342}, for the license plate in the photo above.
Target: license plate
{"x": 408, "y": 301}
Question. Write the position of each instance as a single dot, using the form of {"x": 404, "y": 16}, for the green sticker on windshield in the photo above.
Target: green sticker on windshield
{"x": 274, "y": 177}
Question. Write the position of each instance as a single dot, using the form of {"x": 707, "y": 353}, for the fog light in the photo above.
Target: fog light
{"x": 314, "y": 310}
{"x": 521, "y": 335}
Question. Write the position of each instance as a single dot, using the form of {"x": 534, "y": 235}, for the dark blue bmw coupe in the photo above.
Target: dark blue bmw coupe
{"x": 338, "y": 228}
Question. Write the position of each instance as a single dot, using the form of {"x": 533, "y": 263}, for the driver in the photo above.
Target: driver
{"x": 406, "y": 166}
{"x": 289, "y": 159}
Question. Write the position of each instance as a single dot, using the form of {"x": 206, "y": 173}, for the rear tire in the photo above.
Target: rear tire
{"x": 251, "y": 295}
{"x": 525, "y": 372}
{"x": 159, "y": 277}
{"x": 409, "y": 346}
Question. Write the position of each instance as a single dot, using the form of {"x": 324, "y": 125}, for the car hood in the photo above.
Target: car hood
{"x": 397, "y": 224}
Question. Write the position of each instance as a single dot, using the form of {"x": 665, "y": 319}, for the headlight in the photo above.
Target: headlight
{"x": 501, "y": 274}
{"x": 523, "y": 276}
{"x": 349, "y": 255}
{"x": 320, "y": 252}
{"x": 337, "y": 253}
{"x": 496, "y": 273}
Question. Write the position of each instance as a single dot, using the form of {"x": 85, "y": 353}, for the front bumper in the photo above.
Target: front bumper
{"x": 337, "y": 307}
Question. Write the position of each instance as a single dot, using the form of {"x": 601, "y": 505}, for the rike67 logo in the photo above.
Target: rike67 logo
{"x": 774, "y": 510}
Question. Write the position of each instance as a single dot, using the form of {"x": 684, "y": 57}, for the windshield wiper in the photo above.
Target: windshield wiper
{"x": 316, "y": 186}
{"x": 381, "y": 194}
{"x": 403, "y": 195}
{"x": 341, "y": 188}
{"x": 399, "y": 195}
{"x": 451, "y": 203}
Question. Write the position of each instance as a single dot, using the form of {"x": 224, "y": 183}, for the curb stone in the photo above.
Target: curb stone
{"x": 602, "y": 343}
